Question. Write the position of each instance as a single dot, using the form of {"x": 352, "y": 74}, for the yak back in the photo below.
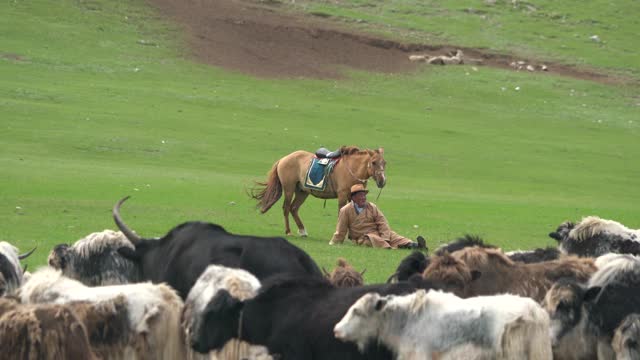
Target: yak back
{"x": 181, "y": 256}
{"x": 295, "y": 316}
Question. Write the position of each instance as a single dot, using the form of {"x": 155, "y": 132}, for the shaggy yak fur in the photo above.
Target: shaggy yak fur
{"x": 344, "y": 275}
{"x": 41, "y": 332}
{"x": 417, "y": 262}
{"x": 626, "y": 339}
{"x": 594, "y": 236}
{"x": 135, "y": 321}
{"x": 94, "y": 260}
{"x": 482, "y": 271}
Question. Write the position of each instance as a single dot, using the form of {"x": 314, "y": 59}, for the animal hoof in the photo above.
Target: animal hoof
{"x": 303, "y": 233}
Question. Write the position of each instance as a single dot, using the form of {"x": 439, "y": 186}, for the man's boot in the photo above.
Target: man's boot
{"x": 422, "y": 243}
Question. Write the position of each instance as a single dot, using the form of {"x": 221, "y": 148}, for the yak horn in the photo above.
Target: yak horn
{"x": 393, "y": 277}
{"x": 130, "y": 234}
{"x": 25, "y": 255}
{"x": 24, "y": 269}
{"x": 363, "y": 271}
{"x": 326, "y": 273}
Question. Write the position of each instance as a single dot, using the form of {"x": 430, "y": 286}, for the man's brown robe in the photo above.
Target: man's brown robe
{"x": 369, "y": 228}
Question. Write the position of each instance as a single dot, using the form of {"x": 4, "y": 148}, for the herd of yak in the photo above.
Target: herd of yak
{"x": 200, "y": 292}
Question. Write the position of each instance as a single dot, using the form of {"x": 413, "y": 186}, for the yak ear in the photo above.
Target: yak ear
{"x": 380, "y": 304}
{"x": 129, "y": 253}
{"x": 554, "y": 235}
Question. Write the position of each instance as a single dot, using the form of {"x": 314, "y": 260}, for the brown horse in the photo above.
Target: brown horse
{"x": 288, "y": 175}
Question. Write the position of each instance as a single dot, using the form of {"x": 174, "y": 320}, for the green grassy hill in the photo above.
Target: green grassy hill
{"x": 98, "y": 102}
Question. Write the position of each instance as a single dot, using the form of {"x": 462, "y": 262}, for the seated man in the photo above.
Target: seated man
{"x": 367, "y": 225}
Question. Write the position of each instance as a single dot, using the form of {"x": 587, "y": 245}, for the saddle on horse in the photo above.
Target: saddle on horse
{"x": 324, "y": 153}
{"x": 320, "y": 167}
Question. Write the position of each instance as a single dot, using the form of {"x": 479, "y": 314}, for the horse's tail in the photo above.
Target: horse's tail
{"x": 268, "y": 193}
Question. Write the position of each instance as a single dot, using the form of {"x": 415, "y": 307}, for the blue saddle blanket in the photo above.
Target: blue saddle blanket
{"x": 319, "y": 170}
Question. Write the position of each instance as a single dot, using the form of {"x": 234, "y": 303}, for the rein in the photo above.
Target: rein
{"x": 239, "y": 335}
{"x": 364, "y": 181}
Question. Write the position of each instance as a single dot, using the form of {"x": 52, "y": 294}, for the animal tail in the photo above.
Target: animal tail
{"x": 268, "y": 193}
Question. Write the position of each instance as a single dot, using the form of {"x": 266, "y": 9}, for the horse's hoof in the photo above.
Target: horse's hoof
{"x": 287, "y": 234}
{"x": 303, "y": 233}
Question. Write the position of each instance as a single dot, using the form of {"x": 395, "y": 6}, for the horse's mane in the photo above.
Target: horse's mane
{"x": 350, "y": 150}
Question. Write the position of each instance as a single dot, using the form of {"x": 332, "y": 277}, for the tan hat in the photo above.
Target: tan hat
{"x": 358, "y": 188}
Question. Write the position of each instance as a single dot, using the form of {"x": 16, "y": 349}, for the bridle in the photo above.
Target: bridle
{"x": 364, "y": 181}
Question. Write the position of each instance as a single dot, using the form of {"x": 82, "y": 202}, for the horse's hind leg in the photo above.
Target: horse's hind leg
{"x": 301, "y": 196}
{"x": 286, "y": 208}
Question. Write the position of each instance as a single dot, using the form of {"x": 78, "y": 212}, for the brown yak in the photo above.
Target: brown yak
{"x": 344, "y": 275}
{"x": 483, "y": 271}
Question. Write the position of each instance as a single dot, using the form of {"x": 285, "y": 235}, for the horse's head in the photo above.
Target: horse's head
{"x": 376, "y": 167}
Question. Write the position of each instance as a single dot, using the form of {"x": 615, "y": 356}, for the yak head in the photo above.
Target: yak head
{"x": 219, "y": 323}
{"x": 564, "y": 302}
{"x": 10, "y": 271}
{"x": 414, "y": 263}
{"x": 59, "y": 257}
{"x": 140, "y": 246}
{"x": 626, "y": 341}
{"x": 562, "y": 232}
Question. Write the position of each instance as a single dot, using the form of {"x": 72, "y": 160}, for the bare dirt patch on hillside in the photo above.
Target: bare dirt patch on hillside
{"x": 257, "y": 38}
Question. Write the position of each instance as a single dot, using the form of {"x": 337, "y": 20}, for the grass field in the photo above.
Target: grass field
{"x": 98, "y": 101}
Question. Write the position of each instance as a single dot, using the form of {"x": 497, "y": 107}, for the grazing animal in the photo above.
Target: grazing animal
{"x": 593, "y": 237}
{"x": 434, "y": 324}
{"x": 185, "y": 251}
{"x": 483, "y": 271}
{"x": 293, "y": 317}
{"x": 241, "y": 285}
{"x": 41, "y": 332}
{"x": 417, "y": 262}
{"x": 94, "y": 260}
{"x": 569, "y": 336}
{"x": 595, "y": 310}
{"x": 10, "y": 271}
{"x": 530, "y": 256}
{"x": 626, "y": 340}
{"x": 287, "y": 176}
{"x": 344, "y": 275}
{"x": 145, "y": 317}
